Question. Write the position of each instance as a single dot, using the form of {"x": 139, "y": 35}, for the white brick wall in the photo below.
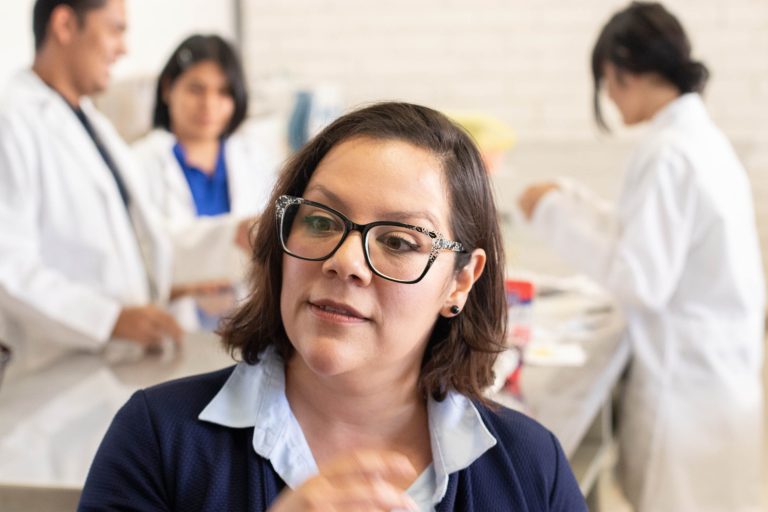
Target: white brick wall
{"x": 525, "y": 61}
{"x": 154, "y": 30}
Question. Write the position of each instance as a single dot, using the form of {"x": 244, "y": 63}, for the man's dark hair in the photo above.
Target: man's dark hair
{"x": 44, "y": 8}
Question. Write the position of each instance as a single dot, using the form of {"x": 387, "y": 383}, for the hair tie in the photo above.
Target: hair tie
{"x": 184, "y": 57}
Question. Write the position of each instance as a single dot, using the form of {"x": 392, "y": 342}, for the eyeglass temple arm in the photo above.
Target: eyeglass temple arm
{"x": 450, "y": 245}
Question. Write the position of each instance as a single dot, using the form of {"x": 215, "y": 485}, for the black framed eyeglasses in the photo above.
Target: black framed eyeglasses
{"x": 395, "y": 251}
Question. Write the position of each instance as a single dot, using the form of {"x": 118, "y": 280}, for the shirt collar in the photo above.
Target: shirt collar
{"x": 686, "y": 103}
{"x": 254, "y": 396}
{"x": 458, "y": 436}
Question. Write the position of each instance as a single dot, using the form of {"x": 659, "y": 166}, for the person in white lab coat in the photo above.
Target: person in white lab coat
{"x": 206, "y": 168}
{"x": 80, "y": 263}
{"x": 681, "y": 254}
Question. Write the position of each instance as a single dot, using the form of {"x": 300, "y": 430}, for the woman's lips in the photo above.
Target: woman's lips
{"x": 337, "y": 312}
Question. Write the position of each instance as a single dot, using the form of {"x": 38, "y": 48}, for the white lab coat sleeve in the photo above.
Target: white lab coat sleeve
{"x": 29, "y": 289}
{"x": 639, "y": 257}
{"x": 584, "y": 203}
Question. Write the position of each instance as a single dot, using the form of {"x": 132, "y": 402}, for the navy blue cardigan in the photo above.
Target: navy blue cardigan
{"x": 158, "y": 456}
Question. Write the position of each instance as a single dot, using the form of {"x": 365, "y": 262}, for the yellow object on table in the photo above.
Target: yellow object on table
{"x": 493, "y": 136}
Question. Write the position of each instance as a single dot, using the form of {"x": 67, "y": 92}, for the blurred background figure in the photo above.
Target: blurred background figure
{"x": 81, "y": 262}
{"x": 206, "y": 171}
{"x": 680, "y": 252}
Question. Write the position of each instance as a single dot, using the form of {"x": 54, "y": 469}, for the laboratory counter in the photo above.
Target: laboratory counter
{"x": 51, "y": 422}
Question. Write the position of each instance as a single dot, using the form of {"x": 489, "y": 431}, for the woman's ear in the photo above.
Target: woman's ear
{"x": 463, "y": 280}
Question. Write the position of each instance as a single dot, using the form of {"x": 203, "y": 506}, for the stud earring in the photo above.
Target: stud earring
{"x": 455, "y": 309}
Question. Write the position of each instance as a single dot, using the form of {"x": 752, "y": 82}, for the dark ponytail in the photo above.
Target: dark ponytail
{"x": 692, "y": 77}
{"x": 646, "y": 38}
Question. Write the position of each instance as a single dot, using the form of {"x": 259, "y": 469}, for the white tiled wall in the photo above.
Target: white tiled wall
{"x": 525, "y": 61}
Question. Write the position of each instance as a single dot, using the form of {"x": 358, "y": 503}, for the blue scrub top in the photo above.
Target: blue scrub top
{"x": 210, "y": 193}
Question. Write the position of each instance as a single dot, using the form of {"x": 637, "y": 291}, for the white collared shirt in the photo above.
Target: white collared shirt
{"x": 254, "y": 396}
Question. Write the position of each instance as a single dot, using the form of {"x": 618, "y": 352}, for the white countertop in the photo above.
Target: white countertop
{"x": 52, "y": 421}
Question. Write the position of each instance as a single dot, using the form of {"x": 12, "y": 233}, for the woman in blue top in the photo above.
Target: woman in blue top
{"x": 376, "y": 314}
{"x": 205, "y": 168}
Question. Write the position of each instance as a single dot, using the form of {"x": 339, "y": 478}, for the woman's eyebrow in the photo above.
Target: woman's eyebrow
{"x": 404, "y": 216}
{"x": 409, "y": 216}
{"x": 327, "y": 193}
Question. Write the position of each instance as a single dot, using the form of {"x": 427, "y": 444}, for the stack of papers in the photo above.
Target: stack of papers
{"x": 555, "y": 354}
{"x": 567, "y": 312}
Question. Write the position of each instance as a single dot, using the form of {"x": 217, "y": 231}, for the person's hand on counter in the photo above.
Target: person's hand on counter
{"x": 147, "y": 325}
{"x": 532, "y": 195}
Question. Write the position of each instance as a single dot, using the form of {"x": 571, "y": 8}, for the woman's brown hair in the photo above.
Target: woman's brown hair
{"x": 461, "y": 350}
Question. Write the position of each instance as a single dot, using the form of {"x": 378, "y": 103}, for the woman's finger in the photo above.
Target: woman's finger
{"x": 386, "y": 464}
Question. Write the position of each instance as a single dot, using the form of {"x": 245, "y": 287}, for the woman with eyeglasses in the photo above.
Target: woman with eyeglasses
{"x": 376, "y": 314}
{"x": 680, "y": 253}
{"x": 207, "y": 170}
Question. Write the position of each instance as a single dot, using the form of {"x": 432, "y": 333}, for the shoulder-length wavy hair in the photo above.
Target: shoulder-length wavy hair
{"x": 461, "y": 350}
{"x": 193, "y": 50}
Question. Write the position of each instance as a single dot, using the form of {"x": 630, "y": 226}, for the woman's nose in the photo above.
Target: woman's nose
{"x": 209, "y": 101}
{"x": 348, "y": 262}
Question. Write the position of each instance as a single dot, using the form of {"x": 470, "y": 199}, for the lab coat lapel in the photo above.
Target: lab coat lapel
{"x": 89, "y": 164}
{"x": 250, "y": 175}
{"x": 145, "y": 222}
{"x": 236, "y": 163}
{"x": 86, "y": 161}
{"x": 177, "y": 183}
{"x": 68, "y": 129}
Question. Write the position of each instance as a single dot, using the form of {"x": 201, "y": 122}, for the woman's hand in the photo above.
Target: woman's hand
{"x": 532, "y": 195}
{"x": 147, "y": 325}
{"x": 369, "y": 480}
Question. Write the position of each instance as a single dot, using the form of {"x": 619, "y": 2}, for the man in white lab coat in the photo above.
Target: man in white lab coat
{"x": 80, "y": 264}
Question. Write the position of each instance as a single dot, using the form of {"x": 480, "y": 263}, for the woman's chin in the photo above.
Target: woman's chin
{"x": 328, "y": 358}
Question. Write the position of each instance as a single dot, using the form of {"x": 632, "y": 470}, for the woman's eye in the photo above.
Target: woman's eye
{"x": 398, "y": 243}
{"x": 195, "y": 88}
{"x": 321, "y": 224}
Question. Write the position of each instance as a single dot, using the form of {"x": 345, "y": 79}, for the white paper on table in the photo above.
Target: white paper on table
{"x": 568, "y": 311}
{"x": 554, "y": 354}
{"x": 550, "y": 347}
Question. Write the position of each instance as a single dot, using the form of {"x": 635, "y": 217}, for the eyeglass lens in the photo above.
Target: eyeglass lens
{"x": 397, "y": 252}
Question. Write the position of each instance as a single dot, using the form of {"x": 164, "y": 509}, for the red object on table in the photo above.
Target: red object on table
{"x": 519, "y": 310}
{"x": 518, "y": 291}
